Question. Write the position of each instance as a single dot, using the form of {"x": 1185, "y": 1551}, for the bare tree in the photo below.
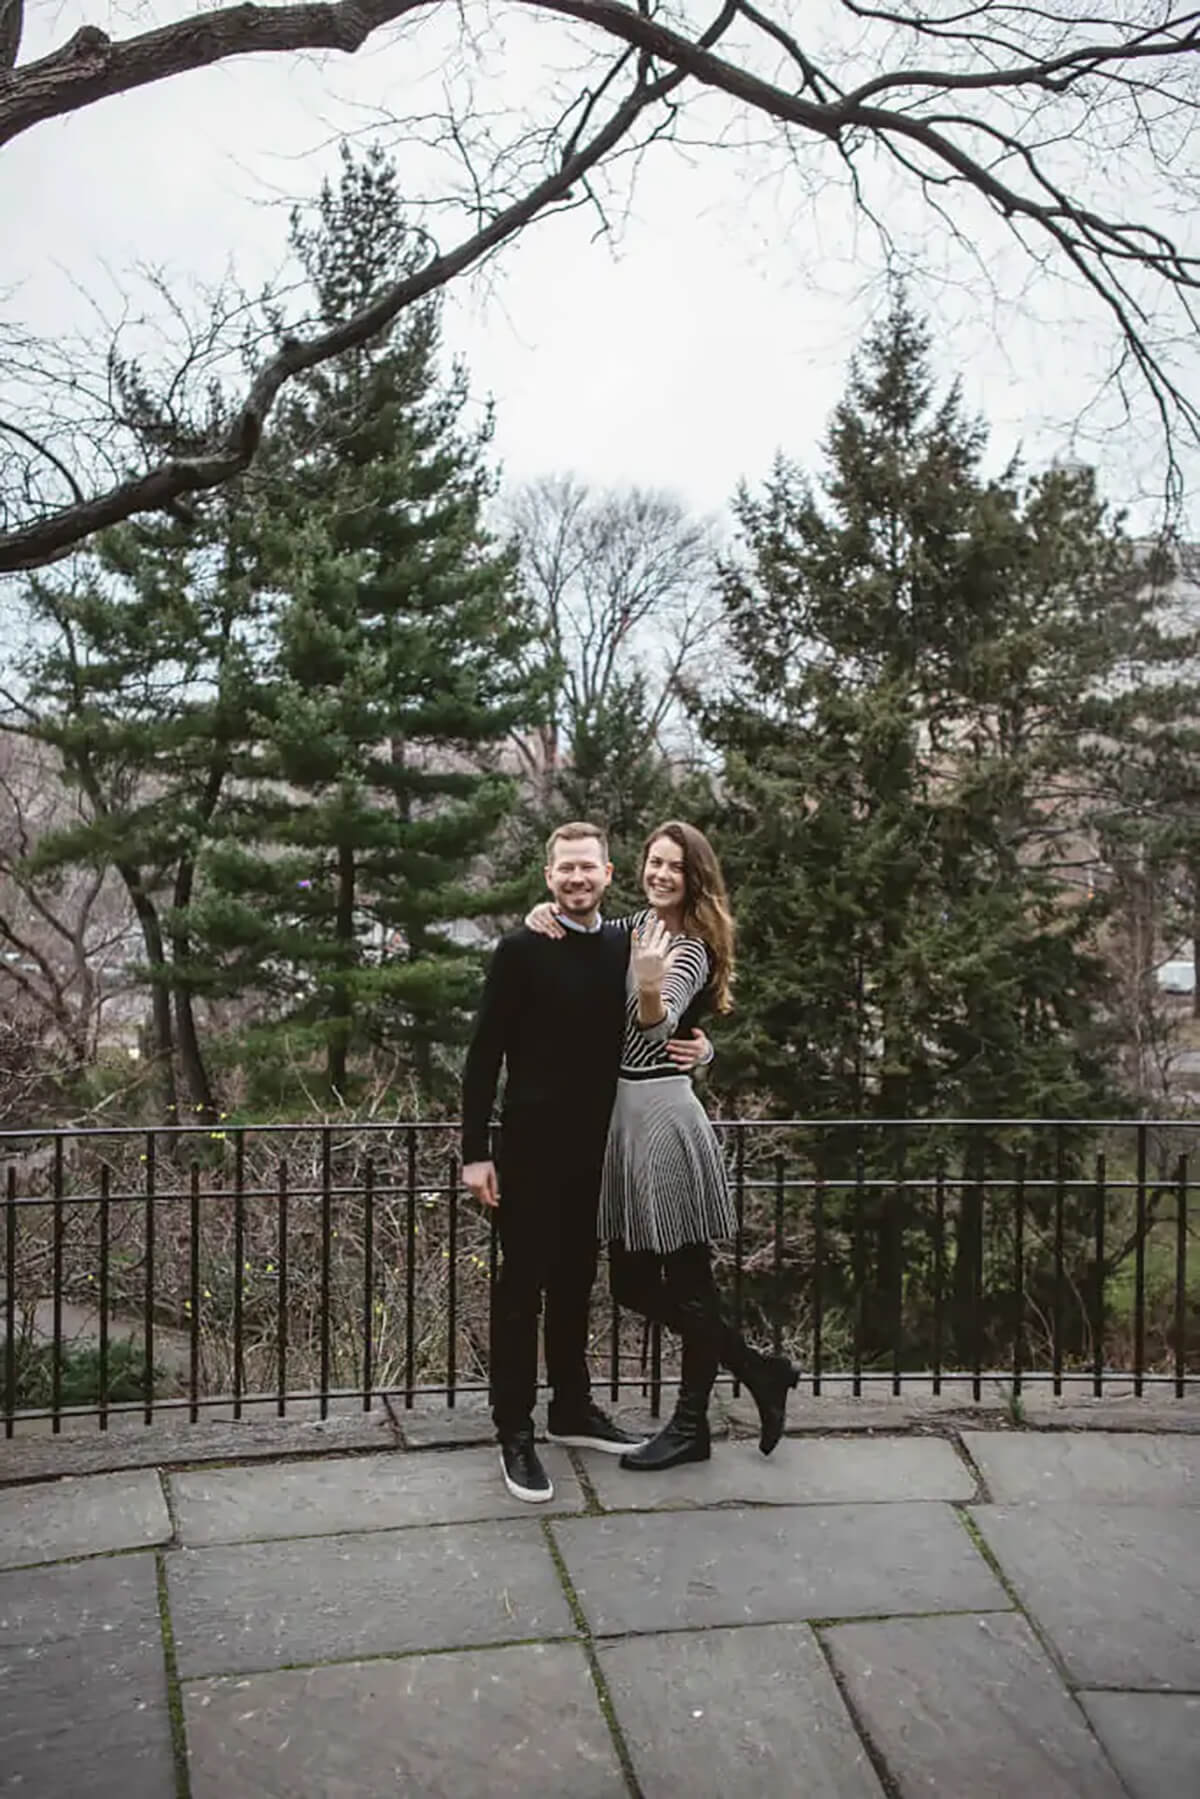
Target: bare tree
{"x": 1040, "y": 115}
{"x": 64, "y": 937}
{"x": 621, "y": 584}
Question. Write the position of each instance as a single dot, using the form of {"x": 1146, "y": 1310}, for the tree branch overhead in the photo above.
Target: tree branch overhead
{"x": 981, "y": 124}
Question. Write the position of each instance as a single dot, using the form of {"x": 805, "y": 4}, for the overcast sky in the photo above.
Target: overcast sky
{"x": 712, "y": 331}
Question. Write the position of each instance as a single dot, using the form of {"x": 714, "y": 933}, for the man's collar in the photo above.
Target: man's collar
{"x": 584, "y": 930}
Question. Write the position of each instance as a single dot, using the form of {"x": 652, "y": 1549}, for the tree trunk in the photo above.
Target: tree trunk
{"x": 968, "y": 1248}
{"x": 203, "y": 1105}
{"x": 191, "y": 1059}
{"x": 340, "y": 996}
{"x": 883, "y": 1303}
{"x": 160, "y": 989}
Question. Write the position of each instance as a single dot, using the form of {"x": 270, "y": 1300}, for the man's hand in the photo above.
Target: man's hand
{"x": 690, "y": 1052}
{"x": 544, "y": 920}
{"x": 480, "y": 1178}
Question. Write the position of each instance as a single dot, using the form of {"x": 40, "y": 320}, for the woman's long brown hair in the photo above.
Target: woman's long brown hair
{"x": 706, "y": 912}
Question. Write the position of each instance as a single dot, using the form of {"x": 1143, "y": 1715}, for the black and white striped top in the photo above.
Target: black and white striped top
{"x": 643, "y": 1056}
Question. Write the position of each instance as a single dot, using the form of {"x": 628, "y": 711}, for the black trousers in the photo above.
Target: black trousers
{"x": 549, "y": 1194}
{"x": 678, "y": 1290}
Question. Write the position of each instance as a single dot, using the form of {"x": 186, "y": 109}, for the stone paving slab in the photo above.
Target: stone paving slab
{"x": 671, "y": 1571}
{"x": 355, "y": 1493}
{"x": 1099, "y": 1468}
{"x": 515, "y": 1723}
{"x": 83, "y": 1682}
{"x": 801, "y": 1471}
{"x": 1115, "y": 1588}
{"x": 431, "y": 1424}
{"x": 916, "y": 1407}
{"x": 256, "y": 1606}
{"x": 719, "y": 1712}
{"x": 128, "y": 1443}
{"x": 1117, "y": 1409}
{"x": 99, "y": 1513}
{"x": 1153, "y": 1740}
{"x": 969, "y": 1705}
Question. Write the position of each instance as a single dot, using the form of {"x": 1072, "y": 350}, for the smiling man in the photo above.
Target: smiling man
{"x": 553, "y": 1014}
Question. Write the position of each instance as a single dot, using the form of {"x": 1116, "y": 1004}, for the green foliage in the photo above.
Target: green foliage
{"x": 913, "y": 655}
{"x": 286, "y": 708}
{"x": 80, "y": 1374}
{"x": 138, "y": 674}
{"x": 390, "y": 681}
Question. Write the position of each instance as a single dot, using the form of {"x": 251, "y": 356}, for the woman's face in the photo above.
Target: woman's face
{"x": 663, "y": 880}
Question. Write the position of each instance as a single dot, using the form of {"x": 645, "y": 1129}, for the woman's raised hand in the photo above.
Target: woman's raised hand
{"x": 544, "y": 921}
{"x": 650, "y": 953}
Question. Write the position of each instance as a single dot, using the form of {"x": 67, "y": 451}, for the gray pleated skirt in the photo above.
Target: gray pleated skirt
{"x": 664, "y": 1183}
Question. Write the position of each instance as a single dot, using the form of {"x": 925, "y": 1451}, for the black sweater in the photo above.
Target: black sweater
{"x": 553, "y": 1011}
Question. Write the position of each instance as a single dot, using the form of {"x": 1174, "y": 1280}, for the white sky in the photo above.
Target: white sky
{"x": 714, "y": 331}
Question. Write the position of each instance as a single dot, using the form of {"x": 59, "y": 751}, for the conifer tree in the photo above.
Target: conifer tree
{"x": 913, "y": 653}
{"x": 916, "y": 657}
{"x": 348, "y": 858}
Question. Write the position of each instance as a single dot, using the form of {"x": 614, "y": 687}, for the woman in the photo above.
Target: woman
{"x": 664, "y": 1197}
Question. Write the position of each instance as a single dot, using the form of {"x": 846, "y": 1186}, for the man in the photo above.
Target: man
{"x": 554, "y": 1014}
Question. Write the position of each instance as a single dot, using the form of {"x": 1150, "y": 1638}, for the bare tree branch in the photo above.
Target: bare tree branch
{"x": 1047, "y": 85}
{"x": 91, "y": 67}
{"x": 56, "y": 535}
{"x": 621, "y": 586}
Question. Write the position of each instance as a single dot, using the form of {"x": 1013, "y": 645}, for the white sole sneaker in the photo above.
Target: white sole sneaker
{"x": 600, "y": 1443}
{"x": 541, "y": 1497}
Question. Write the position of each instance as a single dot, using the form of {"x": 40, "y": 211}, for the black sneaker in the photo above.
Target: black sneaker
{"x": 524, "y": 1475}
{"x": 587, "y": 1427}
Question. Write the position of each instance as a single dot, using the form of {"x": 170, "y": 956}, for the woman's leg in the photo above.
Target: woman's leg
{"x": 635, "y": 1280}
{"x": 686, "y": 1301}
{"x": 675, "y": 1290}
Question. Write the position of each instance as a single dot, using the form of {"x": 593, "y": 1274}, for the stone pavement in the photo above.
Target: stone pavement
{"x": 967, "y": 1613}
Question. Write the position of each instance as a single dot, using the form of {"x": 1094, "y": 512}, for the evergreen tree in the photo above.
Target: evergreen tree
{"x": 916, "y": 658}
{"x": 1143, "y": 769}
{"x": 352, "y": 851}
{"x": 914, "y": 653}
{"x": 137, "y": 675}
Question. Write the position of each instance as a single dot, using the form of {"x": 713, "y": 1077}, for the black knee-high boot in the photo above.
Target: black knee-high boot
{"x": 769, "y": 1379}
{"x": 685, "y": 1436}
{"x": 678, "y": 1291}
{"x": 683, "y": 1297}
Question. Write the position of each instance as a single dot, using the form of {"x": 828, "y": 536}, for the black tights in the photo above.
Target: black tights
{"x": 678, "y": 1290}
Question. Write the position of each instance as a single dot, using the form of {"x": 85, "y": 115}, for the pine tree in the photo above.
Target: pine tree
{"x": 390, "y": 682}
{"x": 137, "y": 675}
{"x": 913, "y": 655}
{"x": 1143, "y": 767}
{"x": 915, "y": 652}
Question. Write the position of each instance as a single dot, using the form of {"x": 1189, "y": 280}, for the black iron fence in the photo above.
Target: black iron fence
{"x": 175, "y": 1271}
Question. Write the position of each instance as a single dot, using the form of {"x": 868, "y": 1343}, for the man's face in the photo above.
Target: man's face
{"x": 578, "y": 876}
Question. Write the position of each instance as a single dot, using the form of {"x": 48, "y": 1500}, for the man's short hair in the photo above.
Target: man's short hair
{"x": 569, "y": 833}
